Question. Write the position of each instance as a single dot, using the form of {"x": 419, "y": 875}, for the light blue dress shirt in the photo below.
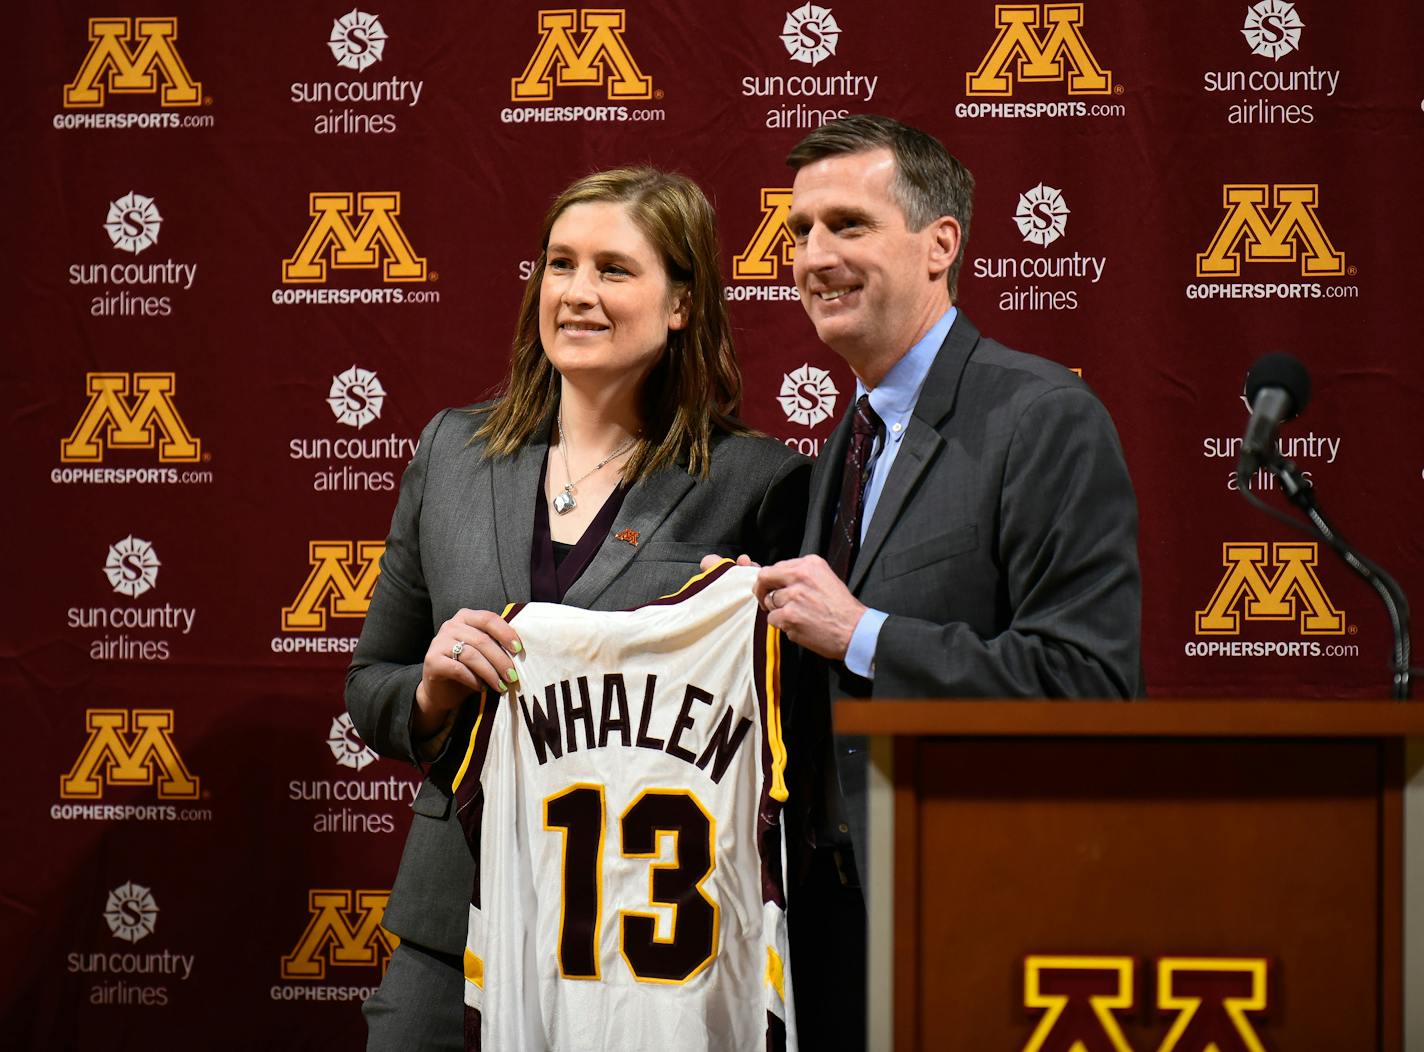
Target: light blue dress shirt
{"x": 894, "y": 401}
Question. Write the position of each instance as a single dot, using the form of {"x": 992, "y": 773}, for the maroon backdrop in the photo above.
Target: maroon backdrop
{"x": 253, "y": 248}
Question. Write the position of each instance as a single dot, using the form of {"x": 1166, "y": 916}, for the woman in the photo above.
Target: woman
{"x": 609, "y": 466}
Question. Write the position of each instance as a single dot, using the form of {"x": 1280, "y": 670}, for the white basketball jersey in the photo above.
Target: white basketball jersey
{"x": 623, "y": 803}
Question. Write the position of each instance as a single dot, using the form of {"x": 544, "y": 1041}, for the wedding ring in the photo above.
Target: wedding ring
{"x": 771, "y": 599}
{"x": 455, "y": 650}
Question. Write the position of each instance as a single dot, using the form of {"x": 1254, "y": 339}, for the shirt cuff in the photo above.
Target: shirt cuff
{"x": 860, "y": 655}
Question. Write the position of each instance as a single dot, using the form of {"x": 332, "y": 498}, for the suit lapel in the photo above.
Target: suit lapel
{"x": 513, "y": 482}
{"x": 648, "y": 503}
{"x": 922, "y": 441}
{"x": 825, "y": 488}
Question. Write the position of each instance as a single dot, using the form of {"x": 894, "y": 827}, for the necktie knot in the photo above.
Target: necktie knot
{"x": 867, "y": 421}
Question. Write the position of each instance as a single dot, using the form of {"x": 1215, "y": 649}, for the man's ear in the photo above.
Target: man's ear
{"x": 944, "y": 238}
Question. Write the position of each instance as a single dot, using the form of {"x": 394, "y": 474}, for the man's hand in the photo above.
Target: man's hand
{"x": 806, "y": 600}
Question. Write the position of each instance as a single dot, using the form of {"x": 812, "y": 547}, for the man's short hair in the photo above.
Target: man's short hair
{"x": 929, "y": 181}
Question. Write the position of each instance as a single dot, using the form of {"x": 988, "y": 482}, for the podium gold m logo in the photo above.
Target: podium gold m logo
{"x": 332, "y": 586}
{"x": 1039, "y": 43}
{"x": 114, "y": 64}
{"x": 1292, "y": 590}
{"x": 129, "y": 748}
{"x": 358, "y": 246}
{"x": 772, "y": 246}
{"x": 130, "y": 411}
{"x": 331, "y": 938}
{"x": 1293, "y": 230}
{"x": 600, "y": 56}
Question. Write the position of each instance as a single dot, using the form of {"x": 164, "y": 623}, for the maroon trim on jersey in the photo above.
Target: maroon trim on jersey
{"x": 513, "y": 611}
{"x": 469, "y": 794}
{"x": 472, "y": 1030}
{"x": 768, "y": 832}
{"x": 692, "y": 587}
{"x": 775, "y": 1032}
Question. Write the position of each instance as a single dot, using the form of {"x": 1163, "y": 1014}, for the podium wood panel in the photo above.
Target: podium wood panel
{"x": 1260, "y": 829}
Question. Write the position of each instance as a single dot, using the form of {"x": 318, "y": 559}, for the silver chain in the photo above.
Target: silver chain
{"x": 565, "y": 501}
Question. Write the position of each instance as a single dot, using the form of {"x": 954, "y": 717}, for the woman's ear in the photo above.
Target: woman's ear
{"x": 681, "y": 308}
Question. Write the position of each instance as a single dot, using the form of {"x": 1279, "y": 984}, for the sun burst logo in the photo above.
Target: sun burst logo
{"x": 131, "y": 912}
{"x": 1272, "y": 28}
{"x": 810, "y": 34}
{"x": 808, "y": 395}
{"x": 132, "y": 566}
{"x": 356, "y": 397}
{"x": 346, "y": 746}
{"x": 133, "y": 222}
{"x": 1042, "y": 215}
{"x": 357, "y": 40}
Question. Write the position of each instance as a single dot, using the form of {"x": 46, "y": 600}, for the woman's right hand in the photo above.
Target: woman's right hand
{"x": 449, "y": 674}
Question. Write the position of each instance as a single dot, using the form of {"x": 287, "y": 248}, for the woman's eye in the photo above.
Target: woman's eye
{"x": 559, "y": 264}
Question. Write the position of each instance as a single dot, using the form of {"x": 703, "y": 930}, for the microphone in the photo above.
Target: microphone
{"x": 1277, "y": 389}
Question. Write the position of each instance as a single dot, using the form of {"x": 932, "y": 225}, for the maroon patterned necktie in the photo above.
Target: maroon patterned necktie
{"x": 845, "y": 533}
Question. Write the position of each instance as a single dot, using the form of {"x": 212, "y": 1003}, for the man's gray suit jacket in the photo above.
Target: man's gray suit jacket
{"x": 462, "y": 535}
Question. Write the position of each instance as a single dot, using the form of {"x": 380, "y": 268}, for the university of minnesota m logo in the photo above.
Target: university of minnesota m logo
{"x": 601, "y": 55}
{"x": 342, "y": 578}
{"x": 129, "y": 748}
{"x": 130, "y": 411}
{"x": 772, "y": 246}
{"x": 128, "y": 56}
{"x": 1042, "y": 43}
{"x": 358, "y": 245}
{"x": 344, "y": 930}
{"x": 1292, "y": 591}
{"x": 1082, "y": 997}
{"x": 1293, "y": 229}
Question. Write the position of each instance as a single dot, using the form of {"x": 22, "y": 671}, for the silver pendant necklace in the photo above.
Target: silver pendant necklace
{"x": 564, "y": 502}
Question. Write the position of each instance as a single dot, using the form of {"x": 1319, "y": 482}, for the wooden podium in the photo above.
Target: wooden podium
{"x": 1148, "y": 876}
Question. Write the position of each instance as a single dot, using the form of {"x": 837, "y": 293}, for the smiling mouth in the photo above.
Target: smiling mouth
{"x": 830, "y": 295}
{"x": 581, "y": 326}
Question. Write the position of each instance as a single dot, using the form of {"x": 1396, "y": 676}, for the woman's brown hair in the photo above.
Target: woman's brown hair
{"x": 696, "y": 387}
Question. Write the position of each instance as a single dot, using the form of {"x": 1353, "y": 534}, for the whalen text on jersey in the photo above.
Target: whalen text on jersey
{"x": 623, "y": 804}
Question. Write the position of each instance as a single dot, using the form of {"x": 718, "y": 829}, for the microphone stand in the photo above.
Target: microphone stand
{"x": 1301, "y": 493}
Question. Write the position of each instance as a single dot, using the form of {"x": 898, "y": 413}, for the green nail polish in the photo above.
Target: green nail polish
{"x": 511, "y": 675}
{"x": 516, "y": 647}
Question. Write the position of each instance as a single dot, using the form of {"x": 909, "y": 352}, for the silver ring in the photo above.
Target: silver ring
{"x": 455, "y": 650}
{"x": 771, "y": 599}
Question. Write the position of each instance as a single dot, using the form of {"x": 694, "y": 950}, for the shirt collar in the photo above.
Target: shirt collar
{"x": 895, "y": 396}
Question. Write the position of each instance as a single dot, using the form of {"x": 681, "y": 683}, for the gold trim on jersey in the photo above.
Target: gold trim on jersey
{"x": 474, "y": 968}
{"x": 776, "y": 972}
{"x": 694, "y": 579}
{"x": 470, "y": 748}
{"x": 773, "y": 715}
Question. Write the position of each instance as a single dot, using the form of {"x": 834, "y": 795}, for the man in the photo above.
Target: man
{"x": 972, "y": 527}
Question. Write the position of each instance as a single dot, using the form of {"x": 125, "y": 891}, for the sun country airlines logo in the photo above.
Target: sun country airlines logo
{"x": 1272, "y": 28}
{"x": 769, "y": 253}
{"x": 131, "y": 912}
{"x": 1039, "y": 44}
{"x": 1272, "y": 92}
{"x": 130, "y": 413}
{"x": 1272, "y": 225}
{"x": 1042, "y": 280}
{"x": 347, "y": 748}
{"x": 358, "y": 40}
{"x": 366, "y": 462}
{"x": 133, "y": 222}
{"x": 1270, "y": 583}
{"x": 1042, "y": 215}
{"x": 804, "y": 99}
{"x": 355, "y": 232}
{"x": 343, "y": 932}
{"x": 125, "y": 288}
{"x": 582, "y": 61}
{"x": 339, "y": 584}
{"x": 132, "y": 57}
{"x": 810, "y": 34}
{"x": 132, "y": 566}
{"x": 367, "y": 103}
{"x": 808, "y": 395}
